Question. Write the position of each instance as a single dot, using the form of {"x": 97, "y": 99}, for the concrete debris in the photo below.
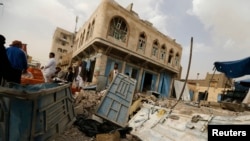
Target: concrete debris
{"x": 86, "y": 102}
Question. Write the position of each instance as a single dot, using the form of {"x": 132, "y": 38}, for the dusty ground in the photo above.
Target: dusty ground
{"x": 87, "y": 101}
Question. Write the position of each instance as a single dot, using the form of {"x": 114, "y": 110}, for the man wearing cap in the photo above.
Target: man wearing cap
{"x": 18, "y": 61}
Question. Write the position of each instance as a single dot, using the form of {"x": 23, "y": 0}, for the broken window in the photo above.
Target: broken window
{"x": 155, "y": 48}
{"x": 142, "y": 42}
{"x": 118, "y": 29}
{"x": 163, "y": 52}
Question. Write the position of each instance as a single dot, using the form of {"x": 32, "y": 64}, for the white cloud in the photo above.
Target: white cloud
{"x": 227, "y": 20}
{"x": 220, "y": 27}
{"x": 149, "y": 10}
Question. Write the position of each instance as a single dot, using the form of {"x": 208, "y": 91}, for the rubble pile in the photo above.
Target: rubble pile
{"x": 86, "y": 101}
{"x": 85, "y": 105}
{"x": 89, "y": 127}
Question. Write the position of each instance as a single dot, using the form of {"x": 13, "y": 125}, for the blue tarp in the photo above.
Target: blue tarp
{"x": 234, "y": 69}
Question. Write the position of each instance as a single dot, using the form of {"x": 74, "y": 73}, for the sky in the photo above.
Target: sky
{"x": 219, "y": 28}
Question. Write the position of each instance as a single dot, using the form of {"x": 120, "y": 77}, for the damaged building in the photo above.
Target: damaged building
{"x": 114, "y": 34}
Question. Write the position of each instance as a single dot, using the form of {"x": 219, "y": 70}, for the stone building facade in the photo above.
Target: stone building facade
{"x": 217, "y": 80}
{"x": 62, "y": 46}
{"x": 214, "y": 84}
{"x": 114, "y": 34}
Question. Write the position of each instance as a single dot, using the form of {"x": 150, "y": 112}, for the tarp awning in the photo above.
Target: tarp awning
{"x": 234, "y": 69}
{"x": 178, "y": 86}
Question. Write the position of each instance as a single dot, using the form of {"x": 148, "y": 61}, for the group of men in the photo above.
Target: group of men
{"x": 13, "y": 61}
{"x": 51, "y": 70}
{"x": 79, "y": 75}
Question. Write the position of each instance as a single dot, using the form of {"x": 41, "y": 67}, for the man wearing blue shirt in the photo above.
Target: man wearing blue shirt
{"x": 18, "y": 61}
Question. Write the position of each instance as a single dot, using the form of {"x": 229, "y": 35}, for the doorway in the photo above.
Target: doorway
{"x": 147, "y": 83}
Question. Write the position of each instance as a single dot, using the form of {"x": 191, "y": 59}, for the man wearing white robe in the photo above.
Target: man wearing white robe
{"x": 50, "y": 68}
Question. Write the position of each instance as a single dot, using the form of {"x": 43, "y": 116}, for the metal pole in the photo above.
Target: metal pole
{"x": 189, "y": 64}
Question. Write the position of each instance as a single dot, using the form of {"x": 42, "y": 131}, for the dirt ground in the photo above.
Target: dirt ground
{"x": 87, "y": 101}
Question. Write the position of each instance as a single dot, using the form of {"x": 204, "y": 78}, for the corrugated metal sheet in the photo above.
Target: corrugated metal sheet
{"x": 154, "y": 123}
{"x": 117, "y": 100}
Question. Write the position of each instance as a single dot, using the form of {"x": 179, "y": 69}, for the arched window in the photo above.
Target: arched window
{"x": 59, "y": 50}
{"x": 142, "y": 42}
{"x": 163, "y": 52}
{"x": 177, "y": 59}
{"x": 82, "y": 38}
{"x": 88, "y": 32}
{"x": 171, "y": 55}
{"x": 92, "y": 28}
{"x": 155, "y": 48}
{"x": 118, "y": 29}
{"x": 64, "y": 51}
